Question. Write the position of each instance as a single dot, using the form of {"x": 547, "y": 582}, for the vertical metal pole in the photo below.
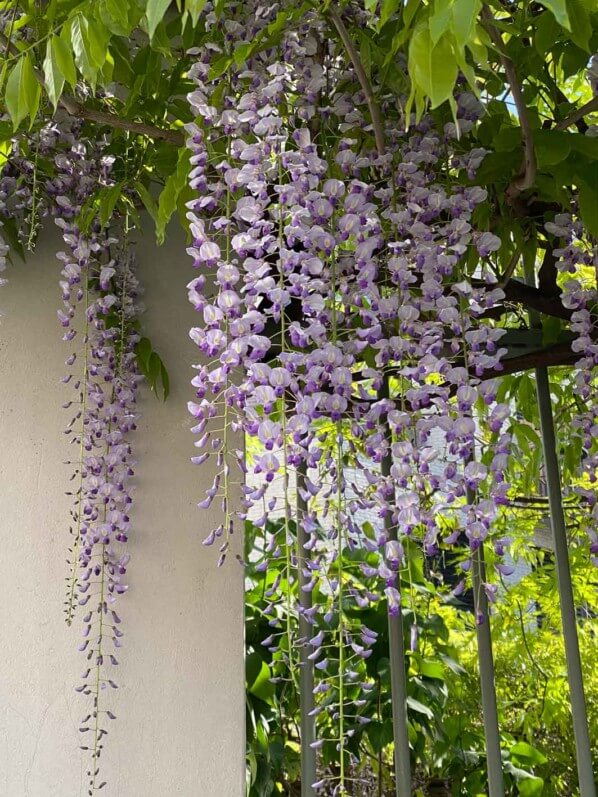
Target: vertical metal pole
{"x": 398, "y": 678}
{"x": 486, "y": 665}
{"x": 398, "y": 664}
{"x": 583, "y": 753}
{"x": 307, "y": 723}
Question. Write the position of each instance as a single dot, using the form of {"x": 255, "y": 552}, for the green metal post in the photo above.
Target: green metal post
{"x": 398, "y": 664}
{"x": 487, "y": 680}
{"x": 587, "y": 786}
{"x": 307, "y": 723}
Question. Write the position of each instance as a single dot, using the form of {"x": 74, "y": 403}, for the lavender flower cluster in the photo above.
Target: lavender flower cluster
{"x": 578, "y": 263}
{"x": 99, "y": 292}
{"x": 335, "y": 270}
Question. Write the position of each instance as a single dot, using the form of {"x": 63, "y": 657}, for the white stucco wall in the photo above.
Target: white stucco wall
{"x": 180, "y": 705}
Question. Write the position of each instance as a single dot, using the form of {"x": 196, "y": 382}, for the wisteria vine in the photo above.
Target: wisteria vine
{"x": 345, "y": 291}
{"x": 350, "y": 325}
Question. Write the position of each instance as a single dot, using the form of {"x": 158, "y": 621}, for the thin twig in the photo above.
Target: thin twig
{"x": 510, "y": 268}
{"x": 527, "y": 174}
{"x": 590, "y": 107}
{"x": 76, "y": 109}
{"x": 365, "y": 84}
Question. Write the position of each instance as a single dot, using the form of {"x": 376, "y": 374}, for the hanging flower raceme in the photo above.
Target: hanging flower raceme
{"x": 99, "y": 291}
{"x": 343, "y": 298}
{"x": 578, "y": 264}
{"x": 331, "y": 277}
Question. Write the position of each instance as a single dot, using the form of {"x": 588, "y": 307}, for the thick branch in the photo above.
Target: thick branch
{"x": 527, "y": 174}
{"x": 559, "y": 354}
{"x": 80, "y": 111}
{"x": 590, "y": 107}
{"x": 547, "y": 275}
{"x": 534, "y": 298}
{"x": 373, "y": 106}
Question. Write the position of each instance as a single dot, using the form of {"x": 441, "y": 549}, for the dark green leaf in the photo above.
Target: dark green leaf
{"x": 10, "y": 233}
{"x": 167, "y": 202}
{"x": 588, "y": 204}
{"x": 148, "y": 201}
{"x": 581, "y": 27}
{"x": 107, "y": 203}
{"x": 165, "y": 381}
{"x": 415, "y": 705}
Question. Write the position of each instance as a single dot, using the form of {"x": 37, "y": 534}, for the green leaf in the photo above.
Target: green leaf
{"x": 107, "y": 203}
{"x": 143, "y": 351}
{"x": 525, "y": 750}
{"x": 409, "y": 12}
{"x": 432, "y": 669}
{"x": 155, "y": 12}
{"x": 262, "y": 687}
{"x": 148, "y": 201}
{"x": 440, "y": 19}
{"x": 194, "y": 8}
{"x": 547, "y": 32}
{"x": 415, "y": 705}
{"x": 63, "y": 56}
{"x": 588, "y": 204}
{"x": 365, "y": 53}
{"x": 10, "y": 233}
{"x": 53, "y": 76}
{"x": 432, "y": 68}
{"x": 559, "y": 9}
{"x": 167, "y": 202}
{"x": 379, "y": 734}
{"x": 89, "y": 45}
{"x": 165, "y": 381}
{"x": 531, "y": 787}
{"x": 465, "y": 14}
{"x": 113, "y": 14}
{"x": 552, "y": 147}
{"x": 387, "y": 9}
{"x": 581, "y": 27}
{"x": 22, "y": 92}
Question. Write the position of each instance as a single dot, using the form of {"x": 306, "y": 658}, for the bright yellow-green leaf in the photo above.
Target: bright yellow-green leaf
{"x": 387, "y": 9}
{"x": 194, "y": 8}
{"x": 559, "y": 10}
{"x": 22, "y": 93}
{"x": 411, "y": 7}
{"x": 440, "y": 19}
{"x": 155, "y": 11}
{"x": 465, "y": 14}
{"x": 432, "y": 68}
